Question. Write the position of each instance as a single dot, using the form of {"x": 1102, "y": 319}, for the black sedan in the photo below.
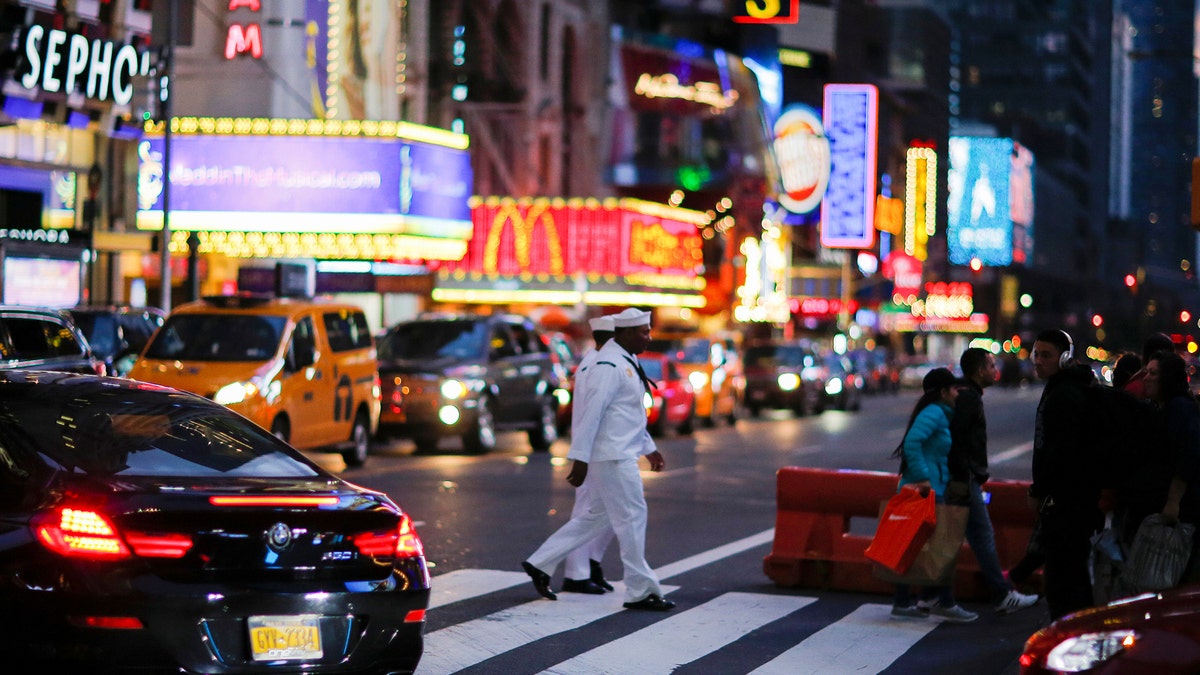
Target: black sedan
{"x": 143, "y": 529}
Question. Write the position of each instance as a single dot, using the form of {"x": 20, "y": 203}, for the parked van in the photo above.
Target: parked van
{"x": 305, "y": 370}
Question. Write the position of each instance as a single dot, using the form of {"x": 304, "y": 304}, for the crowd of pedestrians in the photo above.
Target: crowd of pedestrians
{"x": 1105, "y": 458}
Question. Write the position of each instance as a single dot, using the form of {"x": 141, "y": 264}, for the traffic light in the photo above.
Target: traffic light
{"x": 1131, "y": 283}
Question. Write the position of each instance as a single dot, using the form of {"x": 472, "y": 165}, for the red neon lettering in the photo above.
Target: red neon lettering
{"x": 254, "y": 5}
{"x": 242, "y": 39}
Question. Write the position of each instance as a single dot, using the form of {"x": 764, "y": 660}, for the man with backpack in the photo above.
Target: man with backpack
{"x": 969, "y": 471}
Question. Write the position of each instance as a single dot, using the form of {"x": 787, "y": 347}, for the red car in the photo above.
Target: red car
{"x": 672, "y": 403}
{"x": 1155, "y": 633}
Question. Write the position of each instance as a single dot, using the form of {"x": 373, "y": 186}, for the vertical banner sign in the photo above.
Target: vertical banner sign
{"x": 766, "y": 11}
{"x": 852, "y": 127}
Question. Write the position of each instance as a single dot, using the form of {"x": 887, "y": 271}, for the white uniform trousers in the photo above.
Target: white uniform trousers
{"x": 578, "y": 565}
{"x": 618, "y": 503}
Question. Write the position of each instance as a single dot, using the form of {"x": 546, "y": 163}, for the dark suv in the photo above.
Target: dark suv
{"x": 117, "y": 334}
{"x": 467, "y": 376}
{"x": 784, "y": 375}
{"x": 44, "y": 339}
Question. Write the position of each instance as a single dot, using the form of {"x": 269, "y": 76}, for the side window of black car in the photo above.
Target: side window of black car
{"x": 41, "y": 339}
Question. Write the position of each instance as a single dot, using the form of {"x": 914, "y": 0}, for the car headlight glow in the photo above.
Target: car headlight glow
{"x": 698, "y": 379}
{"x": 788, "y": 381}
{"x": 449, "y": 415}
{"x": 454, "y": 389}
{"x": 834, "y": 386}
{"x": 235, "y": 392}
{"x": 647, "y": 401}
{"x": 563, "y": 396}
{"x": 1084, "y": 652}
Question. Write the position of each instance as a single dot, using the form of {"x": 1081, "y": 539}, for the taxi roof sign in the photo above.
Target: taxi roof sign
{"x": 766, "y": 11}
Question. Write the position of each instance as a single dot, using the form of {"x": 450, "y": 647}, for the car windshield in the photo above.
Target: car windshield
{"x": 435, "y": 340}
{"x": 775, "y": 356}
{"x": 97, "y": 429}
{"x": 217, "y": 337}
{"x": 653, "y": 368}
{"x": 690, "y": 350}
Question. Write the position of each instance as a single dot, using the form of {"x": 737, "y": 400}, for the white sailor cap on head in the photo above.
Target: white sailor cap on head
{"x": 631, "y": 317}
{"x": 601, "y": 323}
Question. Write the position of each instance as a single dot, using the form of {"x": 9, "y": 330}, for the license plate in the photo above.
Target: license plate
{"x": 285, "y": 638}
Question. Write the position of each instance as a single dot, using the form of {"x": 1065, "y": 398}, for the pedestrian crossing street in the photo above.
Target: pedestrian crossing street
{"x": 864, "y": 641}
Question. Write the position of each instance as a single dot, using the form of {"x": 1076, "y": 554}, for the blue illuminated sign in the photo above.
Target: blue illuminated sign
{"x": 979, "y": 224}
{"x": 851, "y": 127}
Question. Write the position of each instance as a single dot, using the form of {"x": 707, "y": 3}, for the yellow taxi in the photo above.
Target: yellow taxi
{"x": 305, "y": 370}
{"x": 711, "y": 365}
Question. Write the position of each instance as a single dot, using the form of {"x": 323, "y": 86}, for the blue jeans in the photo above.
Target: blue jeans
{"x": 982, "y": 539}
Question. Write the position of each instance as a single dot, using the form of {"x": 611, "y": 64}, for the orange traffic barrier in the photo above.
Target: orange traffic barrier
{"x": 825, "y": 520}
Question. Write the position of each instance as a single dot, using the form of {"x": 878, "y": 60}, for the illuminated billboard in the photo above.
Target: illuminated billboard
{"x": 983, "y": 194}
{"x": 314, "y": 181}
{"x": 851, "y": 126}
{"x": 802, "y": 153}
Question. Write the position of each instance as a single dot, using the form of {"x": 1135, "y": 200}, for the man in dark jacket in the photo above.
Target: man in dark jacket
{"x": 969, "y": 471}
{"x": 1066, "y": 486}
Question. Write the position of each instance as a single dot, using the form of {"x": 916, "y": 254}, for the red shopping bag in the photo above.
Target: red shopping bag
{"x": 906, "y": 524}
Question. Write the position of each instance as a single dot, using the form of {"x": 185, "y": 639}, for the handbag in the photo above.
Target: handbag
{"x": 1105, "y": 563}
{"x": 907, "y": 521}
{"x": 1159, "y": 554}
{"x": 935, "y": 563}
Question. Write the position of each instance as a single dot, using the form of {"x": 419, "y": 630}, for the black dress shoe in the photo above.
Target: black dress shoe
{"x": 598, "y": 576}
{"x": 541, "y": 581}
{"x": 581, "y": 586}
{"x": 651, "y": 602}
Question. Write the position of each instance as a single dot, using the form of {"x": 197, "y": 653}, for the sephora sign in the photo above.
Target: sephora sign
{"x": 56, "y": 61}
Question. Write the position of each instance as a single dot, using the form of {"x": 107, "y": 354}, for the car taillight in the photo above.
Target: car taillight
{"x": 79, "y": 533}
{"x": 159, "y": 545}
{"x": 402, "y": 542}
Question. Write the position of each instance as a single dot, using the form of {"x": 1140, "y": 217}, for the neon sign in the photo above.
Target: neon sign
{"x": 667, "y": 85}
{"x": 920, "y": 196}
{"x": 767, "y": 11}
{"x": 851, "y": 125}
{"x": 244, "y": 38}
{"x": 946, "y": 301}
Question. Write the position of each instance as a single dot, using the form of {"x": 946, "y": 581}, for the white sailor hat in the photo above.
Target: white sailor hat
{"x": 631, "y": 317}
{"x": 601, "y": 323}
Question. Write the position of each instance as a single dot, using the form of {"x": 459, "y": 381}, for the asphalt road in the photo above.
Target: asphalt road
{"x": 711, "y": 517}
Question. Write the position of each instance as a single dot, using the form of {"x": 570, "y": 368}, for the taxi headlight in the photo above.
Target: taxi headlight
{"x": 235, "y": 392}
{"x": 834, "y": 386}
{"x": 788, "y": 381}
{"x": 698, "y": 379}
{"x": 647, "y": 401}
{"x": 1087, "y": 651}
{"x": 454, "y": 389}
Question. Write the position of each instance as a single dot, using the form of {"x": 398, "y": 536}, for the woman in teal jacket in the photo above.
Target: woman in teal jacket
{"x": 924, "y": 464}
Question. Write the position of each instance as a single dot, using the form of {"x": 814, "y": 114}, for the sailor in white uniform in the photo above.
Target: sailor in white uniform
{"x": 608, "y": 437}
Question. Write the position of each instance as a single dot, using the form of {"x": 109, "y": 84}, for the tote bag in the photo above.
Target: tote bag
{"x": 935, "y": 562}
{"x": 1158, "y": 555}
{"x": 907, "y": 521}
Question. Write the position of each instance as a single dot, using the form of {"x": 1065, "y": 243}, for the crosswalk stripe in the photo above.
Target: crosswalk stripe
{"x": 462, "y": 645}
{"x": 684, "y": 637}
{"x": 468, "y": 583}
{"x": 712, "y": 555}
{"x": 865, "y": 641}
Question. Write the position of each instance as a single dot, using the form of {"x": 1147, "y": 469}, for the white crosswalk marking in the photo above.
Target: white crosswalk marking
{"x": 865, "y": 641}
{"x": 456, "y": 647}
{"x": 465, "y": 584}
{"x": 684, "y": 637}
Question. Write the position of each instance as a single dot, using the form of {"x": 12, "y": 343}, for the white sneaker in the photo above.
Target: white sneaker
{"x": 1015, "y": 601}
{"x": 955, "y": 614}
{"x": 927, "y": 605}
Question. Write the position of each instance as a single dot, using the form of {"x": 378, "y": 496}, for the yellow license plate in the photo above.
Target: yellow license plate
{"x": 285, "y": 638}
